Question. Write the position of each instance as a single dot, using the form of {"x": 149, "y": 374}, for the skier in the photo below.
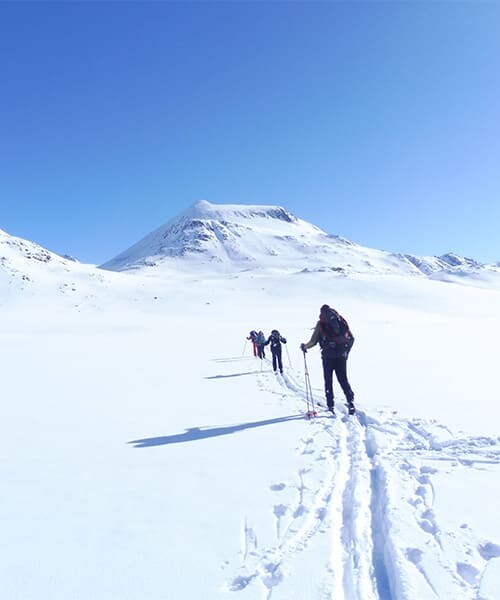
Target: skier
{"x": 336, "y": 340}
{"x": 275, "y": 339}
{"x": 261, "y": 341}
{"x": 253, "y": 336}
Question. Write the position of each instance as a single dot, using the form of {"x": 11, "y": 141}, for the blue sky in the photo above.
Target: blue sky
{"x": 376, "y": 121}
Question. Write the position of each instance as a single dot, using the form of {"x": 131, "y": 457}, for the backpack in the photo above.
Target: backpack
{"x": 335, "y": 336}
{"x": 276, "y": 339}
{"x": 261, "y": 338}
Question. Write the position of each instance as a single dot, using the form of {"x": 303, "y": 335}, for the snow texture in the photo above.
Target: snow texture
{"x": 148, "y": 455}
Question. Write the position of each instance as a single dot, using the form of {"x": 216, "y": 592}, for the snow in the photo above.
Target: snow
{"x": 148, "y": 455}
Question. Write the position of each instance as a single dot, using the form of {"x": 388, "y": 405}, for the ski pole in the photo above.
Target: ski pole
{"x": 244, "y": 348}
{"x": 288, "y": 354}
{"x": 311, "y": 412}
{"x": 306, "y": 374}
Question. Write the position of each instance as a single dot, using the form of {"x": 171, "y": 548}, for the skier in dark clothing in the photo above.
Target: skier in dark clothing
{"x": 253, "y": 336}
{"x": 275, "y": 339}
{"x": 336, "y": 340}
{"x": 261, "y": 342}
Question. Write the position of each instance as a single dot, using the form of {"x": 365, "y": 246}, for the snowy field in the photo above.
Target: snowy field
{"x": 146, "y": 455}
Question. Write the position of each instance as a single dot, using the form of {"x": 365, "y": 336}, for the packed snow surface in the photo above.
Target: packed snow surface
{"x": 147, "y": 455}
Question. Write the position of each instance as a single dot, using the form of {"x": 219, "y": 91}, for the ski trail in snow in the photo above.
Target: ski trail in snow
{"x": 359, "y": 582}
{"x": 354, "y": 576}
{"x": 424, "y": 570}
{"x": 351, "y": 569}
{"x": 373, "y": 500}
{"x": 310, "y": 515}
{"x": 340, "y": 507}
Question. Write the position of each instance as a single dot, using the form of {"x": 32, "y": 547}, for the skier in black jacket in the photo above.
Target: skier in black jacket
{"x": 275, "y": 339}
{"x": 336, "y": 340}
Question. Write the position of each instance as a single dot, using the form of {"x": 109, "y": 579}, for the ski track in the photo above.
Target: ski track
{"x": 365, "y": 466}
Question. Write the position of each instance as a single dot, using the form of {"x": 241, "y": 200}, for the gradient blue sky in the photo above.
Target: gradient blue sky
{"x": 376, "y": 121}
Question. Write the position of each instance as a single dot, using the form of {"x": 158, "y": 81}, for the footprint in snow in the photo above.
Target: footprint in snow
{"x": 428, "y": 470}
{"x": 278, "y": 487}
{"x": 489, "y": 550}
{"x": 299, "y": 511}
{"x": 468, "y": 573}
{"x": 280, "y": 510}
{"x": 414, "y": 555}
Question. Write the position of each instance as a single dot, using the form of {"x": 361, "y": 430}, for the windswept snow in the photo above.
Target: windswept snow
{"x": 149, "y": 455}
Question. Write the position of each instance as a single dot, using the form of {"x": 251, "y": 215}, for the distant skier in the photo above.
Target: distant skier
{"x": 275, "y": 339}
{"x": 261, "y": 341}
{"x": 253, "y": 336}
{"x": 336, "y": 340}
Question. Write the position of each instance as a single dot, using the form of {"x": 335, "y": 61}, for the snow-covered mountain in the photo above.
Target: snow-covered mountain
{"x": 29, "y": 271}
{"x": 242, "y": 237}
{"x": 234, "y": 236}
{"x": 22, "y": 261}
{"x": 228, "y": 239}
{"x": 14, "y": 252}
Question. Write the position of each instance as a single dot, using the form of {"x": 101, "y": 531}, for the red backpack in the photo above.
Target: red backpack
{"x": 335, "y": 336}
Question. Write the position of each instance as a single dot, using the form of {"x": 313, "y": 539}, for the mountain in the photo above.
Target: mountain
{"x": 241, "y": 236}
{"x": 28, "y": 270}
{"x": 19, "y": 257}
{"x": 229, "y": 239}
{"x": 244, "y": 237}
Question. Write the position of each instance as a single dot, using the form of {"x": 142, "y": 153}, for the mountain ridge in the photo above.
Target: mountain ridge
{"x": 232, "y": 237}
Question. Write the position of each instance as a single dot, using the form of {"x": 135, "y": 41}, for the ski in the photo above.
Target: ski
{"x": 325, "y": 409}
{"x": 351, "y": 409}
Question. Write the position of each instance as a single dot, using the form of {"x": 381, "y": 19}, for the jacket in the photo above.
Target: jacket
{"x": 275, "y": 341}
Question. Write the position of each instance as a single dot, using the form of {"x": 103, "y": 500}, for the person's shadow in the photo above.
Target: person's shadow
{"x": 194, "y": 434}
{"x": 235, "y": 374}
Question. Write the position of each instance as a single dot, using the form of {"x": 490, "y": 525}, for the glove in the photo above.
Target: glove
{"x": 303, "y": 348}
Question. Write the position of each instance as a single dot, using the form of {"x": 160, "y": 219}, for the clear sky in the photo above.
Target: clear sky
{"x": 376, "y": 121}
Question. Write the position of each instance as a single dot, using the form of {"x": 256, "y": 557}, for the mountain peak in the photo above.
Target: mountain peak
{"x": 239, "y": 237}
{"x": 207, "y": 210}
{"x": 222, "y": 234}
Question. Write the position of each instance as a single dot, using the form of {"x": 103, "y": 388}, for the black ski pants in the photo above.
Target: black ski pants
{"x": 277, "y": 358}
{"x": 339, "y": 365}
{"x": 260, "y": 351}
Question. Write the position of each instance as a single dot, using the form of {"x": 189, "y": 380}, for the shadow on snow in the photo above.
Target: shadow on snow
{"x": 233, "y": 359}
{"x": 194, "y": 434}
{"x": 236, "y": 374}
